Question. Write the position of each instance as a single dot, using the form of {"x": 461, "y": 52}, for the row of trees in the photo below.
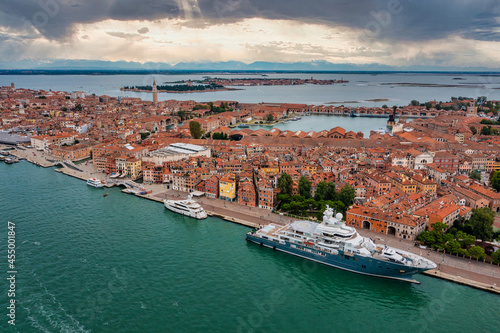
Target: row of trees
{"x": 480, "y": 224}
{"x": 489, "y": 122}
{"x": 488, "y": 130}
{"x": 219, "y": 136}
{"x": 455, "y": 243}
{"x": 306, "y": 205}
{"x": 219, "y": 109}
{"x": 457, "y": 106}
{"x": 463, "y": 234}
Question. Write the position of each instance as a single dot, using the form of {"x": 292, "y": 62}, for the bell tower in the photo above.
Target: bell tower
{"x": 155, "y": 93}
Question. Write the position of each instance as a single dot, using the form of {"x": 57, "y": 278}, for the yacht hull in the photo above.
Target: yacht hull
{"x": 353, "y": 263}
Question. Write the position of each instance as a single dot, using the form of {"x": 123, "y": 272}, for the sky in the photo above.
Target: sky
{"x": 456, "y": 33}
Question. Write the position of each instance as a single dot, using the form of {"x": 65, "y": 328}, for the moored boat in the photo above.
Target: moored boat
{"x": 334, "y": 243}
{"x": 94, "y": 182}
{"x": 187, "y": 207}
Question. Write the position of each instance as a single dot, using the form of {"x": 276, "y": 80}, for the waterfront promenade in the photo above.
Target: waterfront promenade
{"x": 468, "y": 272}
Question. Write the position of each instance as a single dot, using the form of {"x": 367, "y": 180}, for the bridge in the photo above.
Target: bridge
{"x": 127, "y": 183}
{"x": 65, "y": 164}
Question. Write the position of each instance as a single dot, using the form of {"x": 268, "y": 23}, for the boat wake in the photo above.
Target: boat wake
{"x": 46, "y": 314}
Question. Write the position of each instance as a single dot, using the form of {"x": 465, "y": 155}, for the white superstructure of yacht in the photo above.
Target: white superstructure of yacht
{"x": 187, "y": 207}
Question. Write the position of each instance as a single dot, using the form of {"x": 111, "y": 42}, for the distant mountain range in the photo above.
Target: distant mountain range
{"x": 312, "y": 66}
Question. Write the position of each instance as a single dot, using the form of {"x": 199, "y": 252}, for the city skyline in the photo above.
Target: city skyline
{"x": 425, "y": 34}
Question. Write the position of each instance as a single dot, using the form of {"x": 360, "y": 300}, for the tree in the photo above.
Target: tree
{"x": 144, "y": 135}
{"x": 439, "y": 227}
{"x": 465, "y": 239}
{"x": 415, "y": 103}
{"x": 486, "y": 130}
{"x": 195, "y": 129}
{"x": 283, "y": 199}
{"x": 304, "y": 187}
{"x": 475, "y": 175}
{"x": 480, "y": 223}
{"x": 473, "y": 130}
{"x": 496, "y": 256}
{"x": 321, "y": 191}
{"x": 495, "y": 181}
{"x": 346, "y": 195}
{"x": 285, "y": 184}
{"x": 477, "y": 252}
{"x": 269, "y": 118}
{"x": 331, "y": 194}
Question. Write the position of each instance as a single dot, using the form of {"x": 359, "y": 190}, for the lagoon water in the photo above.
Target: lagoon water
{"x": 326, "y": 122}
{"x": 88, "y": 263}
{"x": 395, "y": 88}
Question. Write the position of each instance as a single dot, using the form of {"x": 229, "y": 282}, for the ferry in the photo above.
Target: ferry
{"x": 333, "y": 243}
{"x": 95, "y": 183}
{"x": 187, "y": 207}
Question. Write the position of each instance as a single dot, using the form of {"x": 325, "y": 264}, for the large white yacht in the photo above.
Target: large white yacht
{"x": 187, "y": 207}
{"x": 95, "y": 182}
{"x": 335, "y": 244}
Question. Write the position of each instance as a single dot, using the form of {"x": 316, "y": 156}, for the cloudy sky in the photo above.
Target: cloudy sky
{"x": 462, "y": 33}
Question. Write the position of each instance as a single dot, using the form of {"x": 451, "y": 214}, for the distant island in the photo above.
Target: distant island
{"x": 261, "y": 81}
{"x": 179, "y": 88}
{"x": 220, "y": 84}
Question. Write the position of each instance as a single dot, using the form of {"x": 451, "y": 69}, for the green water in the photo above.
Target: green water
{"x": 88, "y": 263}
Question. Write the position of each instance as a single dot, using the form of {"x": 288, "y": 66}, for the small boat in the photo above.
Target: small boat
{"x": 243, "y": 126}
{"x": 4, "y": 153}
{"x": 105, "y": 195}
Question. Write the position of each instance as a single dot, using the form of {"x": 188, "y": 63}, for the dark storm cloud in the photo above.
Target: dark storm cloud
{"x": 385, "y": 19}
